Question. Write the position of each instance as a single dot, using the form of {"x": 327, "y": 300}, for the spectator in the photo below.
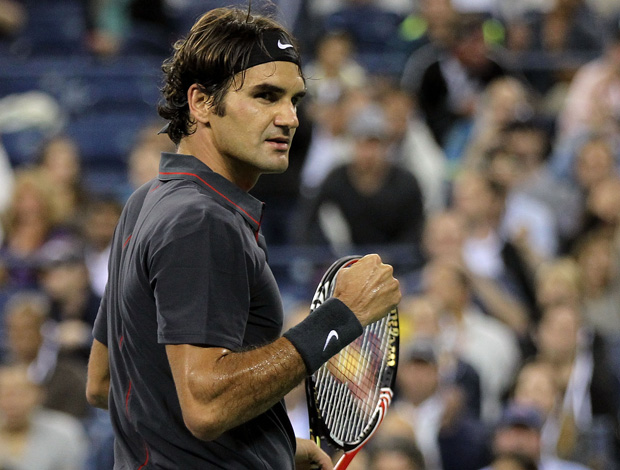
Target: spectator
{"x": 535, "y": 386}
{"x": 31, "y": 221}
{"x": 135, "y": 26}
{"x": 569, "y": 29}
{"x": 513, "y": 461}
{"x": 395, "y": 454}
{"x": 330, "y": 144}
{"x": 369, "y": 201}
{"x": 33, "y": 437}
{"x": 60, "y": 161}
{"x": 589, "y": 391}
{"x": 479, "y": 339}
{"x": 487, "y": 251}
{"x": 333, "y": 70}
{"x": 32, "y": 342}
{"x": 530, "y": 142}
{"x": 601, "y": 294}
{"x": 97, "y": 229}
{"x": 433, "y": 412}
{"x": 13, "y": 16}
{"x": 413, "y": 147}
{"x": 505, "y": 100}
{"x": 592, "y": 102}
{"x": 64, "y": 278}
{"x": 143, "y": 160}
{"x": 444, "y": 239}
{"x": 558, "y": 282}
{"x": 430, "y": 23}
{"x": 448, "y": 84}
{"x": 421, "y": 316}
{"x": 528, "y": 222}
{"x": 603, "y": 208}
{"x": 371, "y": 26}
{"x": 518, "y": 431}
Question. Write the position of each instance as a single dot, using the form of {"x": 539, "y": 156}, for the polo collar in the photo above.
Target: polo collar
{"x": 176, "y": 166}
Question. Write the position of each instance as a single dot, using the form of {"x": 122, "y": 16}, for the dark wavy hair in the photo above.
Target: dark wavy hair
{"x": 218, "y": 44}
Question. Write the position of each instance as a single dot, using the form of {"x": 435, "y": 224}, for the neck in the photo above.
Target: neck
{"x": 206, "y": 153}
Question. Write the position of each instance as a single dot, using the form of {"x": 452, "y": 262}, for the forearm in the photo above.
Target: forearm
{"x": 500, "y": 304}
{"x": 237, "y": 386}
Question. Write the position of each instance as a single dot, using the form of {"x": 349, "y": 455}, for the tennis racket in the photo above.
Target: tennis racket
{"x": 349, "y": 395}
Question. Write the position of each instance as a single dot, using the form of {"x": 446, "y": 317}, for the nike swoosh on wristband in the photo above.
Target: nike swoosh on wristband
{"x": 332, "y": 334}
{"x": 282, "y": 45}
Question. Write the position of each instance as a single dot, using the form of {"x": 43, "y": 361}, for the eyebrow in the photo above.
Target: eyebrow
{"x": 267, "y": 87}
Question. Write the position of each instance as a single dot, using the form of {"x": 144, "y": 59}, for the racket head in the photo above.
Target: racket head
{"x": 349, "y": 395}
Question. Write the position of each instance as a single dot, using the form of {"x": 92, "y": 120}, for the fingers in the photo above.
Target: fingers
{"x": 368, "y": 288}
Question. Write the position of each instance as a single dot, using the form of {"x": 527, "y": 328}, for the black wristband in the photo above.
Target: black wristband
{"x": 327, "y": 330}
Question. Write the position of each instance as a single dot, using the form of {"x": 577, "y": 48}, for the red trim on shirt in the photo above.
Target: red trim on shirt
{"x": 127, "y": 399}
{"x": 146, "y": 449}
{"x": 127, "y": 241}
{"x": 211, "y": 187}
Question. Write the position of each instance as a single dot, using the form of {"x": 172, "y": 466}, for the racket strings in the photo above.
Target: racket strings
{"x": 348, "y": 386}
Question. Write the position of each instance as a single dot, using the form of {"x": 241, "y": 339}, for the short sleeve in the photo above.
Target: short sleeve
{"x": 100, "y": 328}
{"x": 201, "y": 287}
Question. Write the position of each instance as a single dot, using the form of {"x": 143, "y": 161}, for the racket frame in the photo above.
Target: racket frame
{"x": 318, "y": 428}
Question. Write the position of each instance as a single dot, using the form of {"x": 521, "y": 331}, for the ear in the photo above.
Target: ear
{"x": 199, "y": 104}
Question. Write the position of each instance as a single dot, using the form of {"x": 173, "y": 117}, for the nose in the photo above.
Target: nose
{"x": 286, "y": 116}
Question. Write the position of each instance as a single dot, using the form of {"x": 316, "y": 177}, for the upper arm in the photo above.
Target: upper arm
{"x": 98, "y": 380}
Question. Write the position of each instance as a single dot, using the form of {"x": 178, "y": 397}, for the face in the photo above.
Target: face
{"x": 595, "y": 162}
{"x": 472, "y": 196}
{"x": 418, "y": 381}
{"x": 444, "y": 235}
{"x": 536, "y": 387}
{"x": 392, "y": 460}
{"x": 519, "y": 440}
{"x": 557, "y": 333}
{"x": 24, "y": 335}
{"x": 18, "y": 398}
{"x": 255, "y": 133}
{"x": 62, "y": 160}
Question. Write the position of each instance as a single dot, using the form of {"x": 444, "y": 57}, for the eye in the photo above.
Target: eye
{"x": 267, "y": 96}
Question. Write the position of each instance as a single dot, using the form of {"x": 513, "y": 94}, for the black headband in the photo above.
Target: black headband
{"x": 275, "y": 47}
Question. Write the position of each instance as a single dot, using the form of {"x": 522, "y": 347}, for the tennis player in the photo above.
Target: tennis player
{"x": 188, "y": 354}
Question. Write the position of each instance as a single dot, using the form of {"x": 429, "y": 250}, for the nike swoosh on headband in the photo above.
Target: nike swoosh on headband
{"x": 282, "y": 45}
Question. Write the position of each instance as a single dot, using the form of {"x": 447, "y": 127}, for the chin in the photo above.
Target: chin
{"x": 279, "y": 166}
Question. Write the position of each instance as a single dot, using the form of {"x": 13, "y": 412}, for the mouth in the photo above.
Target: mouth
{"x": 279, "y": 143}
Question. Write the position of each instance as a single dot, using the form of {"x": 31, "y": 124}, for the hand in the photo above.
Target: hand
{"x": 368, "y": 288}
{"x": 309, "y": 456}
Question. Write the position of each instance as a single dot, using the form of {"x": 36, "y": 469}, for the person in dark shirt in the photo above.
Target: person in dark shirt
{"x": 368, "y": 200}
{"x": 188, "y": 354}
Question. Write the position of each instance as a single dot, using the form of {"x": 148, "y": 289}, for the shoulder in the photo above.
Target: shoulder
{"x": 188, "y": 209}
{"x": 62, "y": 425}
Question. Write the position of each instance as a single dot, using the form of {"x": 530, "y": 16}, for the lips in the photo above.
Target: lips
{"x": 280, "y": 143}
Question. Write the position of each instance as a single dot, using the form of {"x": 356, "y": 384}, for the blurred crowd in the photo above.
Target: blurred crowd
{"x": 475, "y": 144}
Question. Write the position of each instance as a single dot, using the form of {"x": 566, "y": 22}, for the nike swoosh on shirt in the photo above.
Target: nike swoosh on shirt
{"x": 332, "y": 334}
{"x": 282, "y": 45}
